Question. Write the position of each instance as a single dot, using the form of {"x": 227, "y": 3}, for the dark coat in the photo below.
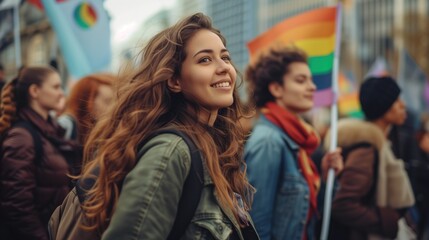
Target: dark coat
{"x": 355, "y": 213}
{"x": 30, "y": 192}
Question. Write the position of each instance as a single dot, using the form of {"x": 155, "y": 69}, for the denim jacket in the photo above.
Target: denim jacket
{"x": 281, "y": 202}
{"x": 151, "y": 191}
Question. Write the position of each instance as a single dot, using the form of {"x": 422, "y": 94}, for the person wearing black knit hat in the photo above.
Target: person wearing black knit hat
{"x": 378, "y": 95}
{"x": 375, "y": 191}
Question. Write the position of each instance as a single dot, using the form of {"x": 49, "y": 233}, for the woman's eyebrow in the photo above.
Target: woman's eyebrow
{"x": 210, "y": 51}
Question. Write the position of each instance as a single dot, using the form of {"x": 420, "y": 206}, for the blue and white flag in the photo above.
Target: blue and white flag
{"x": 83, "y": 31}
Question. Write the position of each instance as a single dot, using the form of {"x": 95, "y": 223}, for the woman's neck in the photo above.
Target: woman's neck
{"x": 40, "y": 110}
{"x": 383, "y": 125}
{"x": 208, "y": 117}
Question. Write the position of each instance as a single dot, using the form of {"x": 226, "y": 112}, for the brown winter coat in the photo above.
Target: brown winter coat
{"x": 30, "y": 193}
{"x": 355, "y": 213}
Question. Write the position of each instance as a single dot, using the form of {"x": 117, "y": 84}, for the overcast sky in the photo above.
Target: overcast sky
{"x": 127, "y": 15}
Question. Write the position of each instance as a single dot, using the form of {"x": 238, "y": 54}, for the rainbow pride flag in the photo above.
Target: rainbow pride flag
{"x": 317, "y": 32}
{"x": 348, "y": 100}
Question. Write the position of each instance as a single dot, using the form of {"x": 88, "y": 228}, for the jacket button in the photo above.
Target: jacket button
{"x": 306, "y": 197}
{"x": 303, "y": 222}
{"x": 219, "y": 228}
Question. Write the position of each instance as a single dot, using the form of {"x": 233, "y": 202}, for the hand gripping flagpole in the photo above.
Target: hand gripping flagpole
{"x": 334, "y": 130}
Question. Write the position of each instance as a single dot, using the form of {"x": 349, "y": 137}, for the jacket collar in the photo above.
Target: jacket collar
{"x": 46, "y": 127}
{"x": 289, "y": 142}
{"x": 352, "y": 131}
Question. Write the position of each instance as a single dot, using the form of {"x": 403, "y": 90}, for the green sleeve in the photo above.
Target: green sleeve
{"x": 150, "y": 195}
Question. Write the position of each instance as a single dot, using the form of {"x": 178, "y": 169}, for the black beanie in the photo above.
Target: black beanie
{"x": 377, "y": 95}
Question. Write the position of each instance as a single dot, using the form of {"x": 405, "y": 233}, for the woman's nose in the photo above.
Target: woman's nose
{"x": 223, "y": 67}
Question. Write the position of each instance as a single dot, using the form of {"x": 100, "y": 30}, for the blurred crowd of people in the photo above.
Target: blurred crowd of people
{"x": 264, "y": 165}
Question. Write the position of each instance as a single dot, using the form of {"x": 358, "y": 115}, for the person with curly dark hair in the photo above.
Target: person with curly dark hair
{"x": 279, "y": 149}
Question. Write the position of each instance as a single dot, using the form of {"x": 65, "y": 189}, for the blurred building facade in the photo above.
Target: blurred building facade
{"x": 39, "y": 45}
{"x": 188, "y": 7}
{"x": 371, "y": 29}
{"x": 375, "y": 29}
{"x": 128, "y": 51}
{"x": 271, "y": 12}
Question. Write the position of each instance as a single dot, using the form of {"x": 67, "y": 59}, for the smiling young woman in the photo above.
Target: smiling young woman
{"x": 186, "y": 81}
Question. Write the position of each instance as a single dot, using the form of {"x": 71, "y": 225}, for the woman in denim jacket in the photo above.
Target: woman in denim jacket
{"x": 278, "y": 151}
{"x": 186, "y": 81}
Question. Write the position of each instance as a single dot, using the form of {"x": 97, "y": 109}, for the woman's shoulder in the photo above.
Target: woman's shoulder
{"x": 266, "y": 134}
{"x": 166, "y": 140}
{"x": 18, "y": 136}
{"x": 167, "y": 146}
{"x": 267, "y": 131}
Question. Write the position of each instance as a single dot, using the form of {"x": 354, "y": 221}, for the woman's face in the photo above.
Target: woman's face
{"x": 207, "y": 75}
{"x": 50, "y": 94}
{"x": 296, "y": 92}
{"x": 102, "y": 101}
{"x": 397, "y": 113}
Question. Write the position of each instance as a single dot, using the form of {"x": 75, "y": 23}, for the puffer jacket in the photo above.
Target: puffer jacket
{"x": 30, "y": 192}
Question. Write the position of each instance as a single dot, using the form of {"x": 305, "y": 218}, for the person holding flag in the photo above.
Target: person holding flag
{"x": 278, "y": 151}
{"x": 375, "y": 191}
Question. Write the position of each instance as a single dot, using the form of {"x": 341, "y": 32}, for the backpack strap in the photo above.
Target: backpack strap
{"x": 192, "y": 188}
{"x": 37, "y": 140}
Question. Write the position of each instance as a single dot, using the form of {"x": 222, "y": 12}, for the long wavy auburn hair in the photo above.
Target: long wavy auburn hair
{"x": 144, "y": 104}
{"x": 80, "y": 102}
{"x": 15, "y": 94}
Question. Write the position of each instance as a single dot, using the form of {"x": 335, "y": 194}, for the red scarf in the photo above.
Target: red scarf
{"x": 307, "y": 140}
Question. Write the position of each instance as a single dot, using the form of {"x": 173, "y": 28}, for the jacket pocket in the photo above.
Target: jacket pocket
{"x": 213, "y": 229}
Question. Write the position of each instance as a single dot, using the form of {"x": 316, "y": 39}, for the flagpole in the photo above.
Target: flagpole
{"x": 334, "y": 129}
{"x": 17, "y": 36}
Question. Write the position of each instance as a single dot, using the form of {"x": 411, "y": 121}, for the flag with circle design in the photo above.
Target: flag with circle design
{"x": 83, "y": 31}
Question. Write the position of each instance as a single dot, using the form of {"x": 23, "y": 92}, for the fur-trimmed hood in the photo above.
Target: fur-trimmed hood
{"x": 393, "y": 186}
{"x": 352, "y": 131}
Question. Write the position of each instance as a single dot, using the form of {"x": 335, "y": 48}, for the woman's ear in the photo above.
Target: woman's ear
{"x": 33, "y": 91}
{"x": 275, "y": 89}
{"x": 174, "y": 85}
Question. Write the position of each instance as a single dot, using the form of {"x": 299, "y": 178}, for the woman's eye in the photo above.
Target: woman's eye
{"x": 204, "y": 60}
{"x": 300, "y": 80}
{"x": 226, "y": 58}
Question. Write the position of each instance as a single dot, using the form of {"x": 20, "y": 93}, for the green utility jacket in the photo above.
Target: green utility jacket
{"x": 151, "y": 191}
